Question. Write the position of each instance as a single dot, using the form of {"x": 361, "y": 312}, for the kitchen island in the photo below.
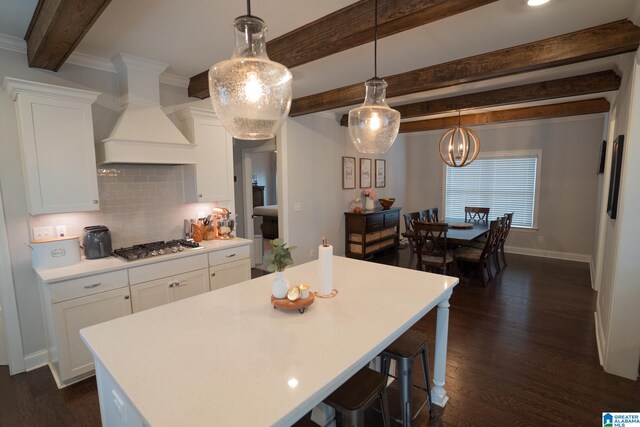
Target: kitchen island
{"x": 229, "y": 358}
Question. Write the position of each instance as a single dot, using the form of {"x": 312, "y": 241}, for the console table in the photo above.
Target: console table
{"x": 369, "y": 232}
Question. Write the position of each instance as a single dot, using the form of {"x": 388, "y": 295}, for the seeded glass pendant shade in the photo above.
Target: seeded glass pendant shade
{"x": 374, "y": 126}
{"x": 459, "y": 146}
{"x": 251, "y": 95}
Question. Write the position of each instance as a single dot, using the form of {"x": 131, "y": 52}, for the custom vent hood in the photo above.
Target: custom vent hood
{"x": 142, "y": 133}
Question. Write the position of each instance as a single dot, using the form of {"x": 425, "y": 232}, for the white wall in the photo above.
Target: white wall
{"x": 18, "y": 222}
{"x": 617, "y": 311}
{"x": 316, "y": 144}
{"x": 568, "y": 183}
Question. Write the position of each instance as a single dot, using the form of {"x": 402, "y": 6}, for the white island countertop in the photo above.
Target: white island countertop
{"x": 87, "y": 267}
{"x": 228, "y": 358}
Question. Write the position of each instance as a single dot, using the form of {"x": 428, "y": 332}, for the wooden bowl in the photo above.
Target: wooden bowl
{"x": 386, "y": 203}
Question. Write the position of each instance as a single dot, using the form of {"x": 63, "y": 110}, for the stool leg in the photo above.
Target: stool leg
{"x": 406, "y": 382}
{"x": 353, "y": 419}
{"x": 384, "y": 405}
{"x": 425, "y": 374}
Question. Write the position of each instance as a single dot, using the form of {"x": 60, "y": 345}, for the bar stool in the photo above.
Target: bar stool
{"x": 354, "y": 396}
{"x": 403, "y": 351}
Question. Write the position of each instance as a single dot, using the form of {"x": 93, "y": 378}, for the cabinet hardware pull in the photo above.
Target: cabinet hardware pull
{"x": 213, "y": 274}
{"x": 126, "y": 297}
{"x": 95, "y": 202}
{"x": 95, "y": 285}
{"x": 200, "y": 195}
{"x": 231, "y": 256}
{"x": 171, "y": 285}
{"x": 177, "y": 284}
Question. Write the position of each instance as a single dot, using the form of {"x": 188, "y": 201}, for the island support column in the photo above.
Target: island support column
{"x": 438, "y": 393}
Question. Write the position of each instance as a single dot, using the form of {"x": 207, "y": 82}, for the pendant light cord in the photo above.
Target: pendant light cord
{"x": 249, "y": 7}
{"x": 375, "y": 41}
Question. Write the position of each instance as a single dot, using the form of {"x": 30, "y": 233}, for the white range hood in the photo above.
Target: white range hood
{"x": 143, "y": 133}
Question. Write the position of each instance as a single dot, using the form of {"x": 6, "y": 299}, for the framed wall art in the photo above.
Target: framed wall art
{"x": 381, "y": 173}
{"x": 365, "y": 173}
{"x": 348, "y": 172}
{"x": 614, "y": 179}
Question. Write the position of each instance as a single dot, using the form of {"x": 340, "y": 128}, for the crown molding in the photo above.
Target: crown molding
{"x": 13, "y": 44}
{"x": 90, "y": 61}
{"x": 174, "y": 80}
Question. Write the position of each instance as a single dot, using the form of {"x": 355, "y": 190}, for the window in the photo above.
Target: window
{"x": 503, "y": 182}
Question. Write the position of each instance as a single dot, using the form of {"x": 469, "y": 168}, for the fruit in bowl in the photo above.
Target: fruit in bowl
{"x": 386, "y": 203}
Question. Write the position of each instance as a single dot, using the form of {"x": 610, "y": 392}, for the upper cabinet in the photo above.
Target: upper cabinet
{"x": 58, "y": 154}
{"x": 211, "y": 178}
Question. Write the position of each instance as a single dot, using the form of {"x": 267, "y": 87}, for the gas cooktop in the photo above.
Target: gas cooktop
{"x": 154, "y": 249}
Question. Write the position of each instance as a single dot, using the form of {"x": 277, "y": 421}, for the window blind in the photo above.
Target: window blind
{"x": 501, "y": 184}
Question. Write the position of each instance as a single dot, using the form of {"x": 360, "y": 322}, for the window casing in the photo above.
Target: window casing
{"x": 501, "y": 181}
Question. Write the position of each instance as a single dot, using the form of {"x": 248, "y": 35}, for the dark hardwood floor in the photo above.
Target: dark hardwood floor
{"x": 522, "y": 352}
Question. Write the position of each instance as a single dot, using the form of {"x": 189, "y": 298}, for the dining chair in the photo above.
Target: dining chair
{"x": 476, "y": 214}
{"x": 431, "y": 246}
{"x": 359, "y": 392}
{"x": 404, "y": 350}
{"x": 503, "y": 237}
{"x": 409, "y": 234}
{"x": 482, "y": 257}
{"x": 431, "y": 215}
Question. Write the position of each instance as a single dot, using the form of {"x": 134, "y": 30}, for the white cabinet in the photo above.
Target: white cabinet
{"x": 211, "y": 178}
{"x": 57, "y": 143}
{"x": 168, "y": 289}
{"x": 75, "y": 304}
{"x": 229, "y": 266}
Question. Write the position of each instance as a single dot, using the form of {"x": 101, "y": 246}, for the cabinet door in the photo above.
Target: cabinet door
{"x": 58, "y": 154}
{"x": 190, "y": 284}
{"x": 230, "y": 273}
{"x": 151, "y": 294}
{"x": 72, "y": 315}
{"x": 215, "y": 158}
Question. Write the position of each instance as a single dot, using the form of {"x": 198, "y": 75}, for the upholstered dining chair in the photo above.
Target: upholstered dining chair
{"x": 476, "y": 214}
{"x": 431, "y": 246}
{"x": 483, "y": 256}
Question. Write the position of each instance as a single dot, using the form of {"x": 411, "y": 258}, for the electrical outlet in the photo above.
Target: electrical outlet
{"x": 42, "y": 233}
{"x": 540, "y": 239}
{"x": 61, "y": 230}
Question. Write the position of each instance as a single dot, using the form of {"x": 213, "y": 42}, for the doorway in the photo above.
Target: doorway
{"x": 10, "y": 339}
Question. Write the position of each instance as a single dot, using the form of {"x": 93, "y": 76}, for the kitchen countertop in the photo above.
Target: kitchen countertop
{"x": 229, "y": 358}
{"x": 104, "y": 265}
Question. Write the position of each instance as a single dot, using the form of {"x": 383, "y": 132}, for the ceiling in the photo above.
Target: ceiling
{"x": 191, "y": 36}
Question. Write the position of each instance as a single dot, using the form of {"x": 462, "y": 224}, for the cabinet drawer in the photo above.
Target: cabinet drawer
{"x": 230, "y": 254}
{"x": 391, "y": 219}
{"x": 148, "y": 272}
{"x": 88, "y": 285}
{"x": 374, "y": 223}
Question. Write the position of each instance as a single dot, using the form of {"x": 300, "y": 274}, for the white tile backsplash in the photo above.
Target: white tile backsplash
{"x": 139, "y": 203}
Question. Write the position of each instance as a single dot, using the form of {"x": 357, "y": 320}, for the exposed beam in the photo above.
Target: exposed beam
{"x": 349, "y": 27}
{"x": 585, "y": 84}
{"x": 565, "y": 109}
{"x": 592, "y": 43}
{"x": 56, "y": 28}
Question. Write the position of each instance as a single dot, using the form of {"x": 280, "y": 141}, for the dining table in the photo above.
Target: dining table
{"x": 461, "y": 232}
{"x": 230, "y": 358}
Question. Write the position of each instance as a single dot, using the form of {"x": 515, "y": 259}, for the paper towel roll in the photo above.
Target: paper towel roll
{"x": 325, "y": 269}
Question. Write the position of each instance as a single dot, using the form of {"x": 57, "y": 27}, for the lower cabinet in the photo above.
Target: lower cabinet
{"x": 168, "y": 289}
{"x": 75, "y": 304}
{"x": 229, "y": 273}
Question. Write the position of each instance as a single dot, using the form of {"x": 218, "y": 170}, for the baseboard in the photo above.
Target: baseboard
{"x": 599, "y": 338}
{"x": 36, "y": 360}
{"x": 592, "y": 273}
{"x": 548, "y": 254}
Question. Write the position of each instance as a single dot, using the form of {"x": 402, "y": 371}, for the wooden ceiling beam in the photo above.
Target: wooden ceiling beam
{"x": 565, "y": 109}
{"x": 585, "y": 84}
{"x": 592, "y": 43}
{"x": 56, "y": 28}
{"x": 349, "y": 27}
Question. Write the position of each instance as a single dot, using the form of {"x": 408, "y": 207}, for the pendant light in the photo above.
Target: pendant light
{"x": 373, "y": 127}
{"x": 251, "y": 95}
{"x": 459, "y": 146}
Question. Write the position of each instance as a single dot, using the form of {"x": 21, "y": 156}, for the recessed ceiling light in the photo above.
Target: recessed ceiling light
{"x": 537, "y": 2}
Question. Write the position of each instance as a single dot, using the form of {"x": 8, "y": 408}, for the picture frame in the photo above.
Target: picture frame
{"x": 348, "y": 172}
{"x": 614, "y": 178}
{"x": 603, "y": 155}
{"x": 381, "y": 173}
{"x": 365, "y": 173}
